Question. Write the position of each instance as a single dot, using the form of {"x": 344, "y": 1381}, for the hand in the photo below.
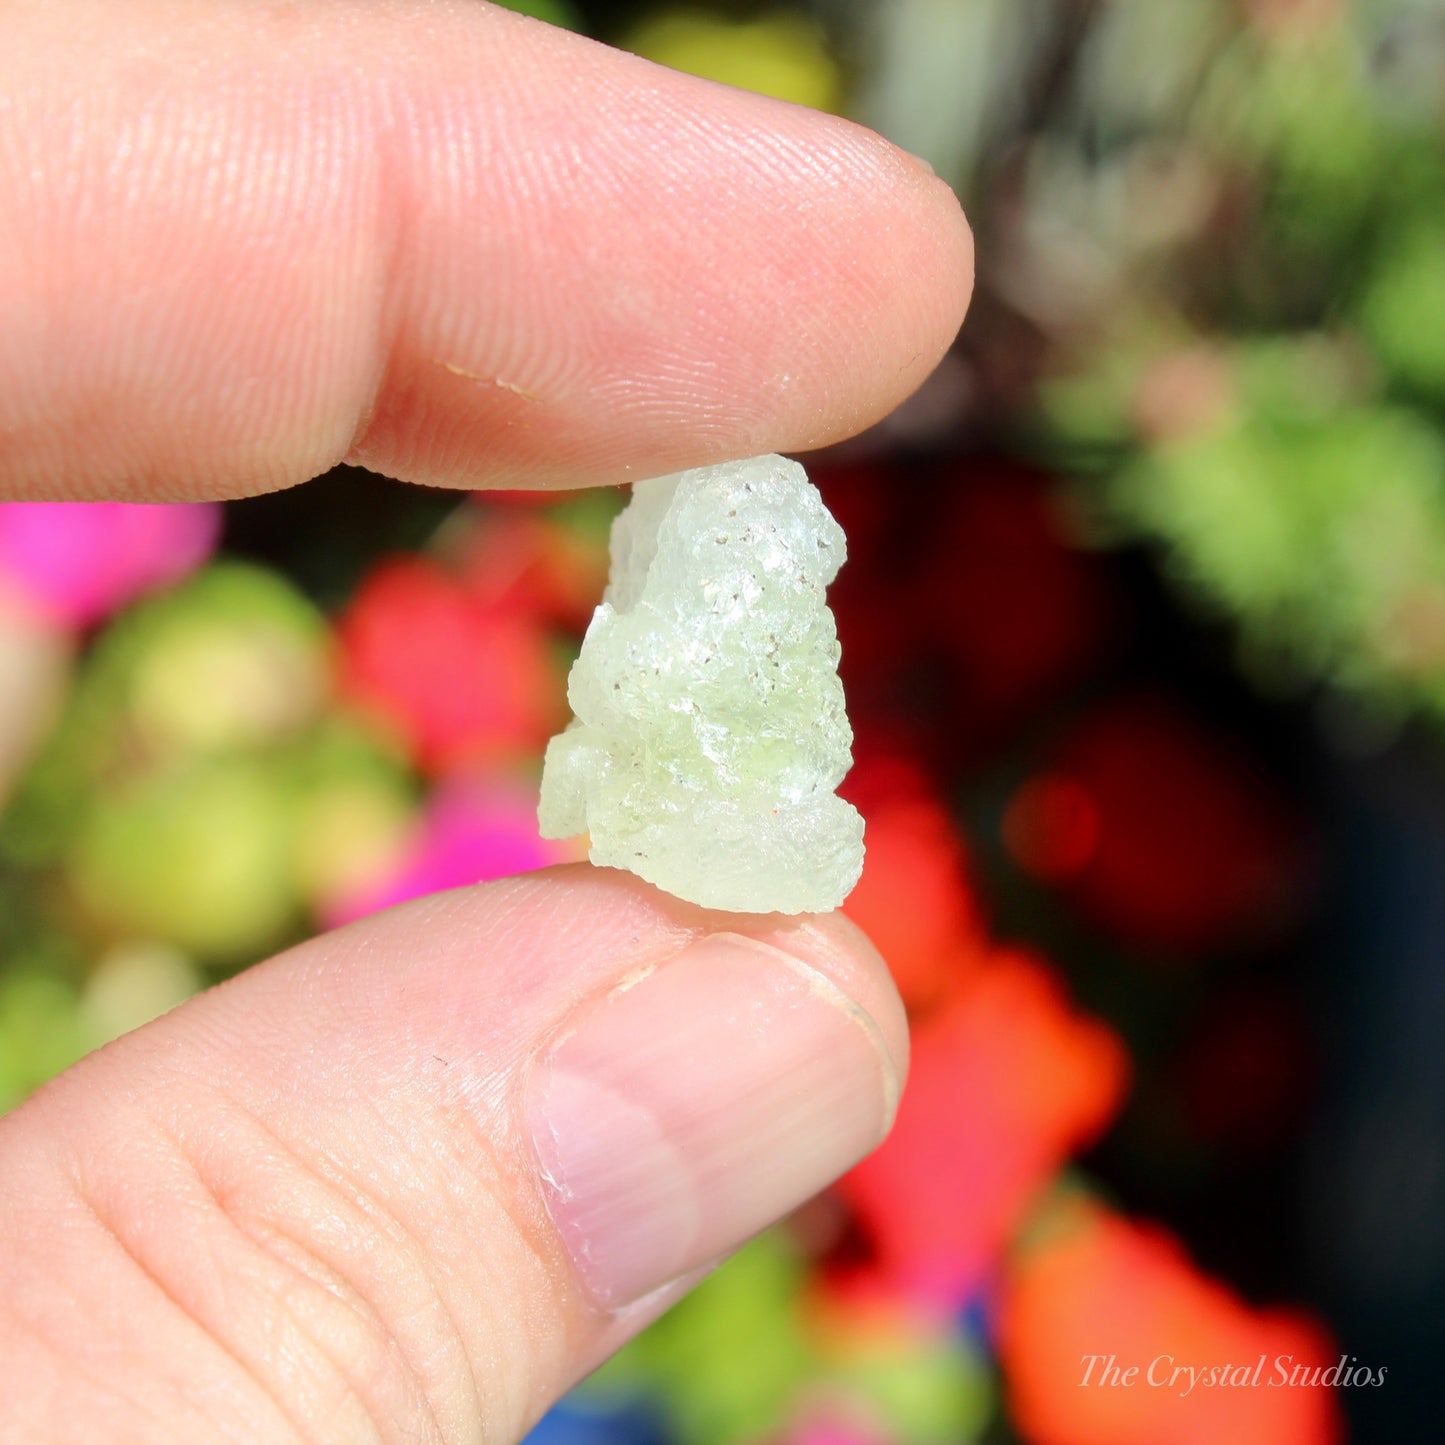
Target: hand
{"x": 413, "y": 1179}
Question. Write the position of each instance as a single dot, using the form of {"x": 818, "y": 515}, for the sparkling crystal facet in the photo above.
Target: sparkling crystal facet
{"x": 710, "y": 731}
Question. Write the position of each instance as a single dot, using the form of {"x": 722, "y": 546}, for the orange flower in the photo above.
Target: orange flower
{"x": 1097, "y": 1296}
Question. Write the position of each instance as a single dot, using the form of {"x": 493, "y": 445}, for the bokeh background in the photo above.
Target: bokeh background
{"x": 1144, "y": 639}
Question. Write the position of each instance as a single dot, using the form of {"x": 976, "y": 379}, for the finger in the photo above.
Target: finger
{"x": 411, "y": 1180}
{"x": 241, "y": 243}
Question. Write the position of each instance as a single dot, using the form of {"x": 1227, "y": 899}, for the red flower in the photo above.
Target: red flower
{"x": 524, "y": 563}
{"x": 456, "y": 679}
{"x": 1007, "y": 1081}
{"x": 981, "y": 607}
{"x": 1159, "y": 830}
{"x": 914, "y": 899}
{"x": 1019, "y": 609}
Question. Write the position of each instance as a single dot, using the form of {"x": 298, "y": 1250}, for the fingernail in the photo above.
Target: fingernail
{"x": 692, "y": 1109}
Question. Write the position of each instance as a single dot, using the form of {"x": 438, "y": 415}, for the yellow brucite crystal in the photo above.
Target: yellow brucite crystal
{"x": 709, "y": 730}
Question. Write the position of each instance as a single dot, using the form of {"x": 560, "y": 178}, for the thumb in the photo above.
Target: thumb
{"x": 411, "y": 1180}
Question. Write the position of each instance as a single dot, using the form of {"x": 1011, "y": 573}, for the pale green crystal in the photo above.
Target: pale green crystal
{"x": 710, "y": 731}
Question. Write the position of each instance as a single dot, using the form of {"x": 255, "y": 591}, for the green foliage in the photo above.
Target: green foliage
{"x": 782, "y": 54}
{"x": 728, "y": 1361}
{"x": 1320, "y": 529}
{"x": 236, "y": 658}
{"x": 928, "y": 1388}
{"x": 747, "y": 1353}
{"x": 202, "y": 786}
{"x": 554, "y": 12}
{"x": 40, "y": 1031}
{"x": 1402, "y": 307}
{"x": 1306, "y": 498}
{"x": 197, "y": 855}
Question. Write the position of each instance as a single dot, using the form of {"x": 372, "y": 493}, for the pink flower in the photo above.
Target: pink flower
{"x": 77, "y": 562}
{"x": 471, "y": 830}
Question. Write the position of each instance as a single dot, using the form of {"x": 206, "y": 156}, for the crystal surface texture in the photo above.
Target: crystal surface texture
{"x": 709, "y": 730}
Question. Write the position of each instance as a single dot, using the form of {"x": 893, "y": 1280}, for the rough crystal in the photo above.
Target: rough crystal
{"x": 710, "y": 731}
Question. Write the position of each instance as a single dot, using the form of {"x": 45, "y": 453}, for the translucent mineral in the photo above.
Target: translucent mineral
{"x": 709, "y": 730}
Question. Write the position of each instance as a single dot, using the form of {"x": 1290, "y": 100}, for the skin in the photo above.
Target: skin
{"x": 242, "y": 242}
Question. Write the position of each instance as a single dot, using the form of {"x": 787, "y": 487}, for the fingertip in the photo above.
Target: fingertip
{"x": 425, "y": 1164}
{"x": 448, "y": 244}
{"x": 837, "y": 948}
{"x": 701, "y": 1100}
{"x": 618, "y": 904}
{"x": 708, "y": 274}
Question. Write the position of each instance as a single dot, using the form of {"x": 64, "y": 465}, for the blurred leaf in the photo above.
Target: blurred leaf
{"x": 729, "y": 1359}
{"x": 198, "y": 856}
{"x": 1403, "y": 306}
{"x": 782, "y": 53}
{"x": 1317, "y": 521}
{"x": 41, "y": 1032}
{"x": 554, "y": 12}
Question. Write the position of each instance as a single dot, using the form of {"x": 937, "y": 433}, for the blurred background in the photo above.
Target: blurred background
{"x": 1144, "y": 640}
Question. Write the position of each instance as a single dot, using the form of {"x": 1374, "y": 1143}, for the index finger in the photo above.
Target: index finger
{"x": 240, "y": 244}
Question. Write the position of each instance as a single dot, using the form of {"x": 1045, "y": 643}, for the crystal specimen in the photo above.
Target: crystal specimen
{"x": 710, "y": 732}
